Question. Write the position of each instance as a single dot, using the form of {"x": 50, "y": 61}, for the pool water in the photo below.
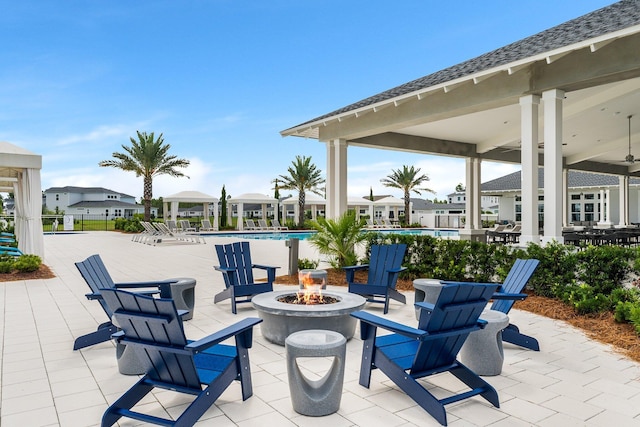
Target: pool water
{"x": 303, "y": 235}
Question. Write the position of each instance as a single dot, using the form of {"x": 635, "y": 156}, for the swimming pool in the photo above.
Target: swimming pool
{"x": 303, "y": 235}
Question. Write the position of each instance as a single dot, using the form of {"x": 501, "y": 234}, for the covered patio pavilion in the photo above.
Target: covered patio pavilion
{"x": 250, "y": 198}
{"x": 559, "y": 99}
{"x": 191, "y": 197}
{"x": 20, "y": 174}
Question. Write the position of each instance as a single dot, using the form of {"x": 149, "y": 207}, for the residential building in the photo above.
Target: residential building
{"x": 92, "y": 201}
{"x": 590, "y": 198}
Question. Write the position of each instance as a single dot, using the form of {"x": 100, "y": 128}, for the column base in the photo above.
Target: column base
{"x": 474, "y": 235}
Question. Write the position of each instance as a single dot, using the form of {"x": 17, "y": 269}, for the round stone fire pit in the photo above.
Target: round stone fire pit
{"x": 281, "y": 319}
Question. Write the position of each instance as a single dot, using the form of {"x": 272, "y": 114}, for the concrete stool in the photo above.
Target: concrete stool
{"x": 482, "y": 351}
{"x": 128, "y": 361}
{"x": 316, "y": 397}
{"x": 426, "y": 290}
{"x": 183, "y": 295}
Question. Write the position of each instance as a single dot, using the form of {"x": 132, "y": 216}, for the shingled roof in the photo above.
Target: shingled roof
{"x": 577, "y": 179}
{"x": 609, "y": 19}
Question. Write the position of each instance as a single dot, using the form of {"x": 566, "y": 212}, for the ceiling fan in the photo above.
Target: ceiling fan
{"x": 629, "y": 157}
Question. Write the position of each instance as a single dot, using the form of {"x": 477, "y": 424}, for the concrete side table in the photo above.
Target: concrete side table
{"x": 426, "y": 290}
{"x": 320, "y": 397}
{"x": 313, "y": 279}
{"x": 183, "y": 295}
{"x": 128, "y": 361}
{"x": 482, "y": 351}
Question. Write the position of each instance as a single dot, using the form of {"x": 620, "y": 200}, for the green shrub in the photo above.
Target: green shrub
{"x": 6, "y": 266}
{"x": 628, "y": 311}
{"x": 307, "y": 264}
{"x": 604, "y": 267}
{"x": 27, "y": 263}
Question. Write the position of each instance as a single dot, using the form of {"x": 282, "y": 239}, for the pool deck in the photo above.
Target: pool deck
{"x": 572, "y": 381}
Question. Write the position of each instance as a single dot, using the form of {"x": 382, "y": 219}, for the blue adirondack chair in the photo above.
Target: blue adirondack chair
{"x": 237, "y": 269}
{"x": 153, "y": 327}
{"x": 98, "y": 278}
{"x": 408, "y": 353}
{"x": 385, "y": 264}
{"x": 508, "y": 293}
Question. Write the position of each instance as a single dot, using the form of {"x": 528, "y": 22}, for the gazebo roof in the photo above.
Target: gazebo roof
{"x": 309, "y": 198}
{"x": 190, "y": 197}
{"x": 389, "y": 201}
{"x": 14, "y": 159}
{"x": 253, "y": 198}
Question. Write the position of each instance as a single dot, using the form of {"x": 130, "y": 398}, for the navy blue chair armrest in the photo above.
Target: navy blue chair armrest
{"x": 226, "y": 333}
{"x": 504, "y": 295}
{"x": 351, "y": 271}
{"x": 389, "y": 325}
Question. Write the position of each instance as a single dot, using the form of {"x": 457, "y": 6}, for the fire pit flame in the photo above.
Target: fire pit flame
{"x": 311, "y": 292}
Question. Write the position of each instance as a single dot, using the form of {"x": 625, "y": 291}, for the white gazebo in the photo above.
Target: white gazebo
{"x": 356, "y": 203}
{"x": 191, "y": 197}
{"x": 250, "y": 198}
{"x": 311, "y": 201}
{"x": 20, "y": 174}
{"x": 393, "y": 204}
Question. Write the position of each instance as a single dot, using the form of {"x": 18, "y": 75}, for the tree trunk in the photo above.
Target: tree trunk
{"x": 407, "y": 202}
{"x": 301, "y": 203}
{"x": 147, "y": 196}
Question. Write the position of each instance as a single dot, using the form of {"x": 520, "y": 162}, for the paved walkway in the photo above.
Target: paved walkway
{"x": 572, "y": 381}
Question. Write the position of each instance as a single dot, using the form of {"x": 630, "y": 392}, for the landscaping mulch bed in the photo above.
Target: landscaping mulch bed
{"x": 601, "y": 327}
{"x": 43, "y": 272}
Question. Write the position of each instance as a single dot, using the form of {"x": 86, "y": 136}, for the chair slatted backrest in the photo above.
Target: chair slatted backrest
{"x": 97, "y": 277}
{"x": 236, "y": 256}
{"x": 515, "y": 282}
{"x": 455, "y": 316}
{"x": 384, "y": 258}
{"x": 206, "y": 224}
{"x": 154, "y": 328}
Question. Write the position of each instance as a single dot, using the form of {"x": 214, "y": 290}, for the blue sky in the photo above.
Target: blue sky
{"x": 221, "y": 78}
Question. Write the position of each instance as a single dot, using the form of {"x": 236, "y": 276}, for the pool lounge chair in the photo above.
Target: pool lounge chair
{"x": 275, "y": 223}
{"x": 205, "y": 225}
{"x": 250, "y": 225}
{"x": 262, "y": 224}
{"x": 185, "y": 226}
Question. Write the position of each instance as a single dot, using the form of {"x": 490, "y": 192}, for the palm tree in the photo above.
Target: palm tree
{"x": 338, "y": 238}
{"x": 303, "y": 176}
{"x": 407, "y": 180}
{"x": 147, "y": 157}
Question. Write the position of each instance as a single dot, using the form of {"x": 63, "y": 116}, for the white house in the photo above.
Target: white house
{"x": 93, "y": 201}
{"x": 590, "y": 198}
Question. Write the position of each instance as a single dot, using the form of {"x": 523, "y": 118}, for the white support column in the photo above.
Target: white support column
{"x": 240, "y": 210}
{"x": 330, "y": 181}
{"x": 529, "y": 160}
{"x": 607, "y": 199}
{"x": 565, "y": 198}
{"x": 601, "y": 218}
{"x": 340, "y": 183}
{"x": 165, "y": 209}
{"x": 215, "y": 216}
{"x": 473, "y": 206}
{"x": 553, "y": 100}
{"x": 624, "y": 201}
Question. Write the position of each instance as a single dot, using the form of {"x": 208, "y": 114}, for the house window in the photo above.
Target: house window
{"x": 590, "y": 196}
{"x": 589, "y": 212}
{"x": 575, "y": 197}
{"x": 57, "y": 197}
{"x": 575, "y": 211}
